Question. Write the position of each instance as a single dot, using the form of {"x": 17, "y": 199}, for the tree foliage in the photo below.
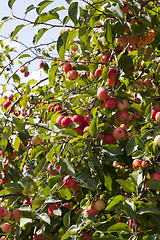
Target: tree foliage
{"x": 80, "y": 148}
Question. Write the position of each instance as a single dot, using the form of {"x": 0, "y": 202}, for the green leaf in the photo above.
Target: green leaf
{"x": 109, "y": 33}
{"x": 42, "y": 5}
{"x": 112, "y": 149}
{"x": 115, "y": 203}
{"x": 129, "y": 208}
{"x": 83, "y": 34}
{"x": 85, "y": 181}
{"x": 93, "y": 128}
{"x": 156, "y": 40}
{"x": 73, "y": 12}
{"x": 44, "y": 216}
{"x": 81, "y": 67}
{"x": 19, "y": 124}
{"x": 154, "y": 184}
{"x": 148, "y": 110}
{"x": 31, "y": 7}
{"x": 44, "y": 17}
{"x": 10, "y": 3}
{"x": 24, "y": 55}
{"x": 13, "y": 187}
{"x": 69, "y": 132}
{"x": 139, "y": 142}
{"x": 126, "y": 63}
{"x": 52, "y": 74}
{"x": 126, "y": 185}
{"x": 65, "y": 193}
{"x": 119, "y": 227}
{"x": 131, "y": 146}
{"x": 148, "y": 208}
{"x": 39, "y": 34}
{"x": 66, "y": 166}
{"x": 66, "y": 219}
{"x": 17, "y": 29}
{"x": 17, "y": 141}
{"x": 115, "y": 10}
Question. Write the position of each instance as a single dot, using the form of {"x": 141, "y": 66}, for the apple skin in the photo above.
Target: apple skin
{"x": 50, "y": 107}
{"x": 6, "y": 227}
{"x": 78, "y": 119}
{"x": 41, "y": 64}
{"x": 35, "y": 140}
{"x": 102, "y": 94}
{"x": 92, "y": 210}
{"x": 51, "y": 209}
{"x": 112, "y": 74}
{"x": 156, "y": 176}
{"x": 57, "y": 108}
{"x": 59, "y": 119}
{"x": 133, "y": 39}
{"x": 123, "y": 116}
{"x": 99, "y": 205}
{"x": 68, "y": 181}
{"x": 4, "y": 180}
{"x": 109, "y": 138}
{"x": 86, "y": 236}
{"x": 144, "y": 164}
{"x": 154, "y": 112}
{"x": 105, "y": 59}
{"x": 119, "y": 133}
{"x": 157, "y": 140}
{"x": 136, "y": 163}
{"x": 126, "y": 7}
{"x": 98, "y": 73}
{"x": 10, "y": 98}
{"x": 16, "y": 214}
{"x": 6, "y": 165}
{"x": 72, "y": 75}
{"x": 49, "y": 168}
{"x": 122, "y": 41}
{"x": 6, "y": 104}
{"x": 67, "y": 205}
{"x": 67, "y": 67}
{"x": 26, "y": 74}
{"x": 66, "y": 121}
{"x": 3, "y": 212}
{"x": 122, "y": 106}
{"x": 111, "y": 103}
{"x": 8, "y": 216}
{"x": 38, "y": 237}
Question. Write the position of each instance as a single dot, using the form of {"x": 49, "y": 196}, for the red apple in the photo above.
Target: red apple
{"x": 3, "y": 212}
{"x": 6, "y": 165}
{"x": 144, "y": 164}
{"x": 38, "y": 237}
{"x": 66, "y": 205}
{"x": 78, "y": 119}
{"x": 105, "y": 59}
{"x": 111, "y": 103}
{"x": 6, "y": 104}
{"x": 66, "y": 121}
{"x": 58, "y": 108}
{"x": 122, "y": 106}
{"x": 86, "y": 236}
{"x": 26, "y": 74}
{"x": 92, "y": 210}
{"x": 22, "y": 69}
{"x": 4, "y": 180}
{"x": 102, "y": 94}
{"x": 6, "y": 227}
{"x": 154, "y": 112}
{"x": 51, "y": 209}
{"x": 119, "y": 133}
{"x": 50, "y": 107}
{"x": 67, "y": 67}
{"x": 157, "y": 117}
{"x": 10, "y": 97}
{"x": 41, "y": 64}
{"x": 72, "y": 75}
{"x": 16, "y": 214}
{"x": 136, "y": 163}
{"x": 122, "y": 41}
{"x": 68, "y": 181}
{"x": 156, "y": 176}
{"x": 112, "y": 74}
{"x": 133, "y": 39}
{"x": 147, "y": 83}
{"x": 59, "y": 119}
{"x": 98, "y": 73}
{"x": 126, "y": 7}
{"x": 109, "y": 138}
{"x": 123, "y": 116}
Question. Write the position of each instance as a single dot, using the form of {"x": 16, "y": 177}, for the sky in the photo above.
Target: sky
{"x": 27, "y": 33}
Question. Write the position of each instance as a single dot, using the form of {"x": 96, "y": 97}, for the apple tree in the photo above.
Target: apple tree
{"x": 80, "y": 148}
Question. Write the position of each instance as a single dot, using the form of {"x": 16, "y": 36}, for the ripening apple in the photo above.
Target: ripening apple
{"x": 58, "y": 108}
{"x": 6, "y": 227}
{"x": 14, "y": 154}
{"x": 72, "y": 75}
{"x": 119, "y": 133}
{"x": 78, "y": 119}
{"x": 16, "y": 214}
{"x": 157, "y": 140}
{"x": 133, "y": 40}
{"x": 155, "y": 175}
{"x": 157, "y": 107}
{"x": 123, "y": 115}
{"x": 147, "y": 83}
{"x": 26, "y": 74}
{"x": 35, "y": 140}
{"x": 122, "y": 106}
{"x": 68, "y": 181}
{"x": 50, "y": 107}
{"x": 99, "y": 205}
{"x": 6, "y": 165}
{"x": 3, "y": 212}
{"x": 109, "y": 138}
{"x": 122, "y": 41}
{"x": 66, "y": 121}
{"x": 6, "y": 104}
{"x": 10, "y": 97}
{"x": 67, "y": 205}
{"x": 8, "y": 216}
{"x": 154, "y": 112}
{"x": 86, "y": 236}
{"x": 130, "y": 120}
{"x": 59, "y": 119}
{"x": 112, "y": 74}
{"x": 50, "y": 169}
{"x": 105, "y": 59}
{"x": 102, "y": 94}
{"x": 136, "y": 163}
{"x": 67, "y": 67}
{"x": 144, "y": 164}
{"x": 51, "y": 209}
{"x": 157, "y": 117}
{"x": 41, "y": 64}
{"x": 125, "y": 9}
{"x": 98, "y": 73}
{"x": 92, "y": 210}
{"x": 4, "y": 180}
{"x": 22, "y": 69}
{"x": 38, "y": 237}
{"x": 74, "y": 48}
{"x": 111, "y": 103}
